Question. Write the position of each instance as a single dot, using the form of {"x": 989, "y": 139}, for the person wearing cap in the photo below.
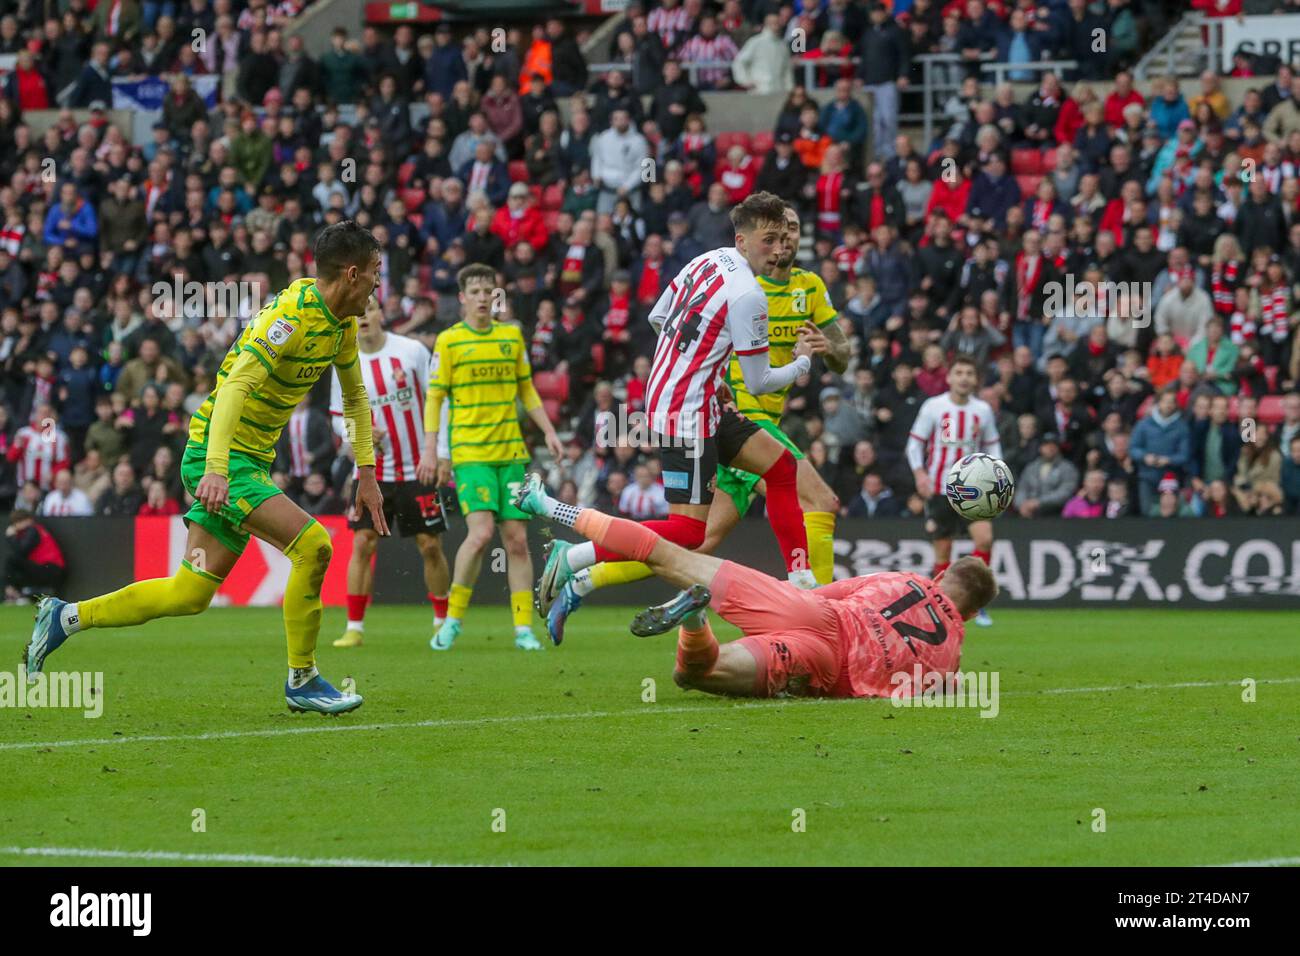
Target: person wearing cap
{"x": 843, "y": 423}
{"x": 782, "y": 173}
{"x": 519, "y": 221}
{"x": 682, "y": 246}
{"x": 444, "y": 67}
{"x": 1043, "y": 488}
{"x": 1170, "y": 502}
{"x": 251, "y": 152}
{"x": 1185, "y": 309}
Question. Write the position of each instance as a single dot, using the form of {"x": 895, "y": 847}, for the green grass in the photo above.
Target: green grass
{"x": 588, "y": 773}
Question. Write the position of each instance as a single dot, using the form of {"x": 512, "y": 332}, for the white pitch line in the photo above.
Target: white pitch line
{"x": 1275, "y": 861}
{"x": 648, "y": 711}
{"x": 1184, "y": 684}
{"x": 165, "y": 856}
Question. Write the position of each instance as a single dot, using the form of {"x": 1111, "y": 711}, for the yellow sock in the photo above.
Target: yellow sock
{"x": 820, "y": 526}
{"x": 309, "y": 557}
{"x": 521, "y": 608}
{"x": 188, "y": 591}
{"x": 618, "y": 572}
{"x": 458, "y": 601}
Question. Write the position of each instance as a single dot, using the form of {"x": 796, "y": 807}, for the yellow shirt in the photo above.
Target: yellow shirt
{"x": 789, "y": 304}
{"x": 482, "y": 373}
{"x": 295, "y": 339}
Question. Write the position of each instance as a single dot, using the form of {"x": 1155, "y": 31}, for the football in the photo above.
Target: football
{"x": 980, "y": 487}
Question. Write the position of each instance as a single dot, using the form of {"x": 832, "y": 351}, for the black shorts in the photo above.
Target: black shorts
{"x": 690, "y": 466}
{"x": 410, "y": 508}
{"x": 942, "y": 521}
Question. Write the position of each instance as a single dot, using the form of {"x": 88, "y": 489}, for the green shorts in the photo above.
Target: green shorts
{"x": 250, "y": 485}
{"x": 739, "y": 485}
{"x": 484, "y": 486}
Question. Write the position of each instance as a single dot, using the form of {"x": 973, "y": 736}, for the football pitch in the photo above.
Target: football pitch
{"x": 1120, "y": 738}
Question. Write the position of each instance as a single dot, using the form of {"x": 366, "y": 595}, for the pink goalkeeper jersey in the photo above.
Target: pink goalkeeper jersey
{"x": 889, "y": 623}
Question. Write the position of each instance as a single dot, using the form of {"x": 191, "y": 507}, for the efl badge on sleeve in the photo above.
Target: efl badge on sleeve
{"x": 280, "y": 331}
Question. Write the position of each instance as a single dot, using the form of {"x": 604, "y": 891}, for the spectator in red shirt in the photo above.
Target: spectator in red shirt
{"x": 1121, "y": 96}
{"x": 26, "y": 85}
{"x": 35, "y": 561}
{"x": 158, "y": 504}
{"x": 737, "y": 174}
{"x": 519, "y": 220}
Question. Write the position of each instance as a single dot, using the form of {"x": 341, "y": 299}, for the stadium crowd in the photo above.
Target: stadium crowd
{"x": 588, "y": 190}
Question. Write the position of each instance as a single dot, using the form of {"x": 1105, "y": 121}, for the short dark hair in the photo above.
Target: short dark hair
{"x": 963, "y": 359}
{"x": 760, "y": 207}
{"x": 475, "y": 270}
{"x": 342, "y": 245}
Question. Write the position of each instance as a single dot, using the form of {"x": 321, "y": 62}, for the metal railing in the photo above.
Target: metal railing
{"x": 1162, "y": 58}
{"x": 1002, "y": 71}
{"x": 692, "y": 69}
{"x": 941, "y": 77}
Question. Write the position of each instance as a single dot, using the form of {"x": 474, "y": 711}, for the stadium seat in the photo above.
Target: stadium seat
{"x": 725, "y": 141}
{"x": 549, "y": 219}
{"x": 1270, "y": 409}
{"x": 536, "y": 192}
{"x": 758, "y": 163}
{"x": 1049, "y": 160}
{"x": 413, "y": 199}
{"x": 518, "y": 171}
{"x": 598, "y": 357}
{"x": 1026, "y": 162}
{"x": 552, "y": 197}
{"x": 552, "y": 409}
{"x": 426, "y": 276}
{"x": 404, "y": 172}
{"x": 761, "y": 144}
{"x": 551, "y": 385}
{"x": 1270, "y": 376}
{"x": 1028, "y": 184}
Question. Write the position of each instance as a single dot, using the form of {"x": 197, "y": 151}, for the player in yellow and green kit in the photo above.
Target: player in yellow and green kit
{"x": 296, "y": 338}
{"x": 798, "y": 307}
{"x": 481, "y": 367}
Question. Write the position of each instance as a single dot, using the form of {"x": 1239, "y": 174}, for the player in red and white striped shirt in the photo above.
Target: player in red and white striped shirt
{"x": 40, "y": 449}
{"x": 671, "y": 20}
{"x": 396, "y": 373}
{"x": 949, "y": 427}
{"x": 713, "y": 307}
{"x": 644, "y": 498}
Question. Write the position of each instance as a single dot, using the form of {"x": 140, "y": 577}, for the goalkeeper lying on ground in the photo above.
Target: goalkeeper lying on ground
{"x": 847, "y": 639}
{"x": 269, "y": 369}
